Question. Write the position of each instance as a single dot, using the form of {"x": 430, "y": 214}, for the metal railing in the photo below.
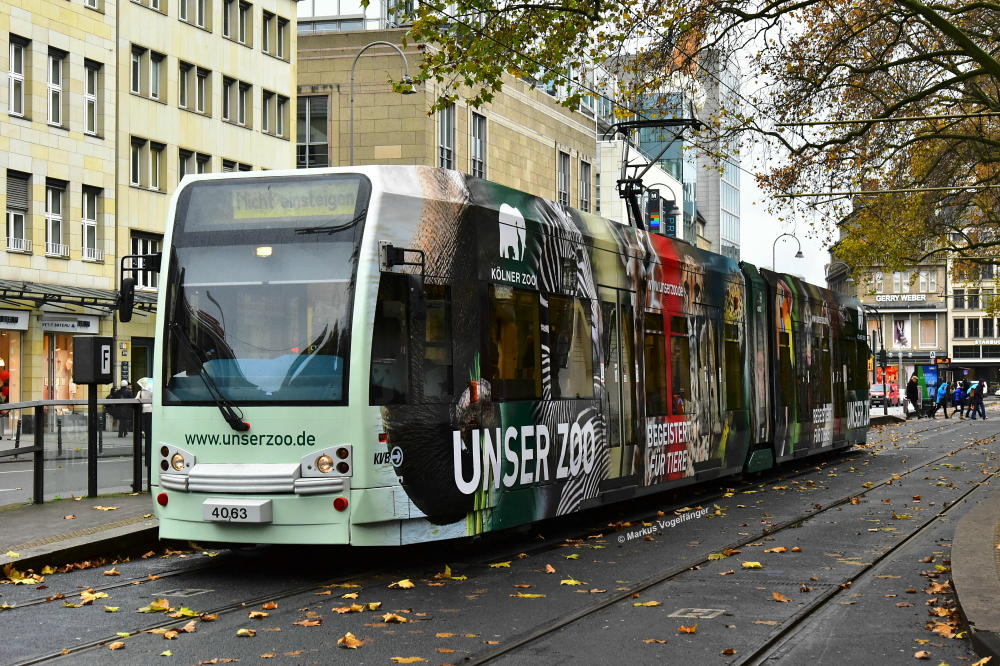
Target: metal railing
{"x": 56, "y": 250}
{"x": 33, "y": 420}
{"x": 18, "y": 244}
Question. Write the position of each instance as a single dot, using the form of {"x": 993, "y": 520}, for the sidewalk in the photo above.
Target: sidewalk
{"x": 41, "y": 534}
{"x": 975, "y": 563}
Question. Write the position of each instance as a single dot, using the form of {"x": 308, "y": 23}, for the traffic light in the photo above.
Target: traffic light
{"x": 882, "y": 358}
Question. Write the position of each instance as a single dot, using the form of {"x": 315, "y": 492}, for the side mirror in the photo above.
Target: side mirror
{"x": 126, "y": 300}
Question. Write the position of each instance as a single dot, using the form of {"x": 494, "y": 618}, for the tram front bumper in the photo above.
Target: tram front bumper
{"x": 295, "y": 519}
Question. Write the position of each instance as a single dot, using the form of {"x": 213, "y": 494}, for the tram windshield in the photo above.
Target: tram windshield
{"x": 259, "y": 290}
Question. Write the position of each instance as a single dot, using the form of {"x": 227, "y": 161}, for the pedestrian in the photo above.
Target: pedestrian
{"x": 125, "y": 411}
{"x": 145, "y": 386}
{"x": 977, "y": 402}
{"x": 913, "y": 397}
{"x": 941, "y": 400}
{"x": 958, "y": 399}
{"x": 112, "y": 410}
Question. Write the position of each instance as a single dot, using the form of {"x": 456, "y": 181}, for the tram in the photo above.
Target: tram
{"x": 386, "y": 355}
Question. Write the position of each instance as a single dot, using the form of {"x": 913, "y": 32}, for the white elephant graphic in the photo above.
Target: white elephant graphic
{"x": 511, "y": 233}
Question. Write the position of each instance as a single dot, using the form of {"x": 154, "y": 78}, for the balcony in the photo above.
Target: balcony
{"x": 92, "y": 254}
{"x": 56, "y": 250}
{"x": 15, "y": 244}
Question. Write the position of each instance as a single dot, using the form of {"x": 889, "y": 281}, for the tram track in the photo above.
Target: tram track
{"x": 807, "y": 466}
{"x": 547, "y": 629}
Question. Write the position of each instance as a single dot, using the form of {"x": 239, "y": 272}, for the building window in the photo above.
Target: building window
{"x": 15, "y": 76}
{"x": 281, "y": 116}
{"x": 201, "y": 91}
{"x": 195, "y": 12}
{"x": 972, "y": 302}
{"x": 91, "y": 96}
{"x": 585, "y": 186}
{"x": 244, "y": 167}
{"x": 18, "y": 205}
{"x": 901, "y": 282}
{"x": 959, "y": 328}
{"x": 184, "y": 71}
{"x": 185, "y": 163}
{"x": 446, "y": 137}
{"x": 228, "y": 9}
{"x": 267, "y": 112}
{"x": 243, "y": 108}
{"x": 988, "y": 329}
{"x": 155, "y": 75}
{"x": 90, "y": 249}
{"x": 477, "y": 151}
{"x": 228, "y": 91}
{"x": 138, "y": 147}
{"x": 562, "y": 178}
{"x": 228, "y": 165}
{"x": 54, "y": 237}
{"x": 973, "y": 327}
{"x": 155, "y": 166}
{"x": 312, "y": 149}
{"x": 145, "y": 244}
{"x": 57, "y": 63}
{"x": 928, "y": 281}
{"x": 959, "y": 296}
{"x": 244, "y": 27}
{"x": 928, "y": 333}
{"x": 90, "y": 4}
{"x": 267, "y": 25}
{"x": 281, "y": 43}
{"x": 597, "y": 193}
{"x": 135, "y": 81}
{"x": 203, "y": 163}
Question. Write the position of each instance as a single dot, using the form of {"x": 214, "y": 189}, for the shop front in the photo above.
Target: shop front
{"x": 13, "y": 324}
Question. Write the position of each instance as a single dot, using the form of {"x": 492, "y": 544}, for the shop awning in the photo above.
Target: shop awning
{"x": 16, "y": 292}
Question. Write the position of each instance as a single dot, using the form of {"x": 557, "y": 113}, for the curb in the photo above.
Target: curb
{"x": 975, "y": 562}
{"x": 885, "y": 420}
{"x": 107, "y": 542}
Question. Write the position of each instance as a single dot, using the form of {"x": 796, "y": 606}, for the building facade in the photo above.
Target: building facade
{"x": 975, "y": 339}
{"x": 523, "y": 139}
{"x": 107, "y": 105}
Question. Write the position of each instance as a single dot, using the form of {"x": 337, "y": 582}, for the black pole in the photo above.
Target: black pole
{"x": 39, "y": 468}
{"x": 137, "y": 448}
{"x": 91, "y": 440}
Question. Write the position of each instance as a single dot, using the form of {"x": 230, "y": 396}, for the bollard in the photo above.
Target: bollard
{"x": 39, "y": 467}
{"x": 59, "y": 434}
{"x": 17, "y": 434}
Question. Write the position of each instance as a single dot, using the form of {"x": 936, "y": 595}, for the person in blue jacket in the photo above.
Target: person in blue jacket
{"x": 941, "y": 401}
{"x": 976, "y": 401}
{"x": 958, "y": 400}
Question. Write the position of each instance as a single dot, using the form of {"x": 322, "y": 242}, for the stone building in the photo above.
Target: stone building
{"x": 107, "y": 105}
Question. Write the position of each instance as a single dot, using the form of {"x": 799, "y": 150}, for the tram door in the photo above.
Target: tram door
{"x": 618, "y": 346}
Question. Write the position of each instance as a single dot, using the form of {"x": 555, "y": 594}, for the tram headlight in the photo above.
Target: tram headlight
{"x": 177, "y": 461}
{"x": 342, "y": 452}
{"x": 324, "y": 464}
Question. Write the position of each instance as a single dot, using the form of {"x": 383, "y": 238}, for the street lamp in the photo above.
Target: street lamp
{"x": 774, "y": 246}
{"x": 829, "y": 271}
{"x": 406, "y": 80}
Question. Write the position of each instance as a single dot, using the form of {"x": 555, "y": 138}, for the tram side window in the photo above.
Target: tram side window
{"x": 571, "y": 348}
{"x": 437, "y": 373}
{"x": 733, "y": 368}
{"x": 821, "y": 345}
{"x": 786, "y": 394}
{"x": 654, "y": 355}
{"x": 390, "y": 363}
{"x": 513, "y": 359}
{"x": 680, "y": 366}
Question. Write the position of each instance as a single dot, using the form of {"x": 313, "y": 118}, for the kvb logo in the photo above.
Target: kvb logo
{"x": 511, "y": 233}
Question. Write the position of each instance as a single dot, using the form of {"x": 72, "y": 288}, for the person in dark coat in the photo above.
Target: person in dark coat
{"x": 111, "y": 410}
{"x": 913, "y": 396}
{"x": 958, "y": 399}
{"x": 976, "y": 401}
{"x": 125, "y": 411}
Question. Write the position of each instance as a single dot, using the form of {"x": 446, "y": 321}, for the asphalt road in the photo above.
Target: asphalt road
{"x": 857, "y": 573}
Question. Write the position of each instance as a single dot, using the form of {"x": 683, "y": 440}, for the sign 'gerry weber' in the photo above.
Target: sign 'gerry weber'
{"x": 895, "y": 298}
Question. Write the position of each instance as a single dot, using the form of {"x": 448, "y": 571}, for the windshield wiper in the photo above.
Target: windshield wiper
{"x": 333, "y": 228}
{"x": 230, "y": 411}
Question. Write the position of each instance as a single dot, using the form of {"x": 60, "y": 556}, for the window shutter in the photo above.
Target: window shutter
{"x": 18, "y": 196}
